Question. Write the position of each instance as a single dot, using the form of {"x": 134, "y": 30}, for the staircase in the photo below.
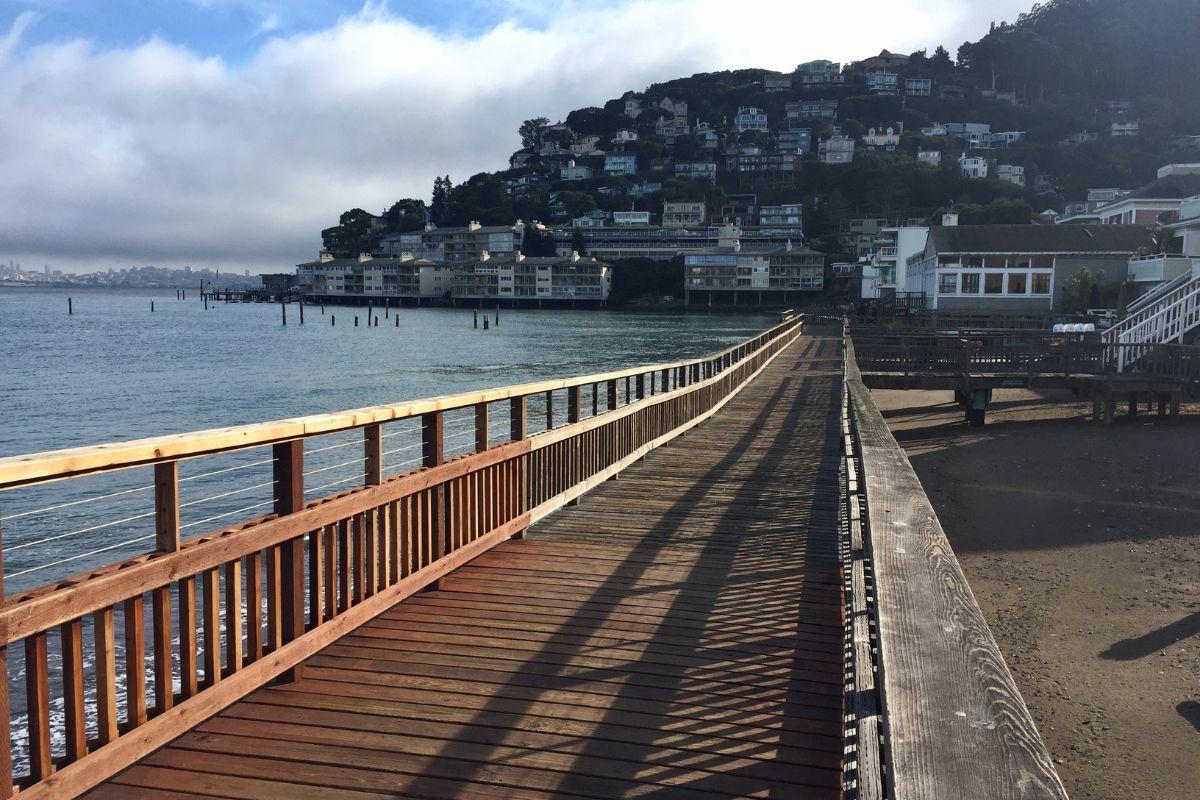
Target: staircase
{"x": 1163, "y": 319}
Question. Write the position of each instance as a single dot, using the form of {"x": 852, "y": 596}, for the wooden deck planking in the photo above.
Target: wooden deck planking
{"x": 679, "y": 634}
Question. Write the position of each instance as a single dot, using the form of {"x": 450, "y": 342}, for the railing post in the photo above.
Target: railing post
{"x": 612, "y": 394}
{"x": 481, "y": 427}
{"x": 288, "y": 472}
{"x": 549, "y": 411}
{"x": 373, "y": 454}
{"x": 166, "y": 506}
{"x": 572, "y": 404}
{"x": 516, "y": 413}
{"x": 640, "y": 384}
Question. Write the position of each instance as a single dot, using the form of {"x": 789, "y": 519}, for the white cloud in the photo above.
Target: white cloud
{"x": 154, "y": 154}
{"x": 270, "y": 23}
{"x": 10, "y": 40}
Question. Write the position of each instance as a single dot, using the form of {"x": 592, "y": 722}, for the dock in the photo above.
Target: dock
{"x": 724, "y": 581}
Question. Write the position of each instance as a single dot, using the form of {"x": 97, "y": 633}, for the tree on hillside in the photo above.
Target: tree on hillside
{"x": 535, "y": 243}
{"x": 531, "y": 131}
{"x": 483, "y": 198}
{"x": 405, "y": 215}
{"x": 578, "y": 243}
{"x": 577, "y": 203}
{"x": 941, "y": 62}
{"x": 439, "y": 208}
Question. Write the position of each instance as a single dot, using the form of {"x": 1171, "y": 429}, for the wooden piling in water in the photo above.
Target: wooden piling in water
{"x": 70, "y": 308}
{"x": 356, "y": 320}
{"x": 151, "y": 306}
{"x": 283, "y": 308}
{"x": 301, "y": 312}
{"x": 475, "y": 317}
{"x": 397, "y": 318}
{"x": 332, "y": 320}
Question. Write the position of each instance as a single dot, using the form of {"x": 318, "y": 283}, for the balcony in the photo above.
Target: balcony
{"x": 1158, "y": 268}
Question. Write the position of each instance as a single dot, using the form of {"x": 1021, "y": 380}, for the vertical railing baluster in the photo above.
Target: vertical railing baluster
{"x": 210, "y": 587}
{"x": 516, "y": 413}
{"x": 549, "y": 411}
{"x": 104, "y": 636}
{"x": 37, "y": 701}
{"x": 135, "y": 662}
{"x": 612, "y": 394}
{"x": 75, "y": 721}
{"x": 189, "y": 684}
{"x": 233, "y": 615}
{"x": 164, "y": 684}
{"x": 254, "y": 602}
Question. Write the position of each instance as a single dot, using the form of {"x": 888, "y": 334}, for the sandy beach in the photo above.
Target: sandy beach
{"x": 1080, "y": 544}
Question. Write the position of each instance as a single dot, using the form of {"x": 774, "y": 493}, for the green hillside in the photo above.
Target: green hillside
{"x": 1067, "y": 67}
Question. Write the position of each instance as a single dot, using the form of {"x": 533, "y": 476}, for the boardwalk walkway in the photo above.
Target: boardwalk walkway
{"x": 677, "y": 635}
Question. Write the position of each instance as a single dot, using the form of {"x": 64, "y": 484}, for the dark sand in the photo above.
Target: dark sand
{"x": 1082, "y": 546}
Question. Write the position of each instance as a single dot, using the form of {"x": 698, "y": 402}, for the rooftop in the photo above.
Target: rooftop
{"x": 1041, "y": 238}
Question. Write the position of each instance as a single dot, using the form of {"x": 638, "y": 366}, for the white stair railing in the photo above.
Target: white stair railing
{"x": 1165, "y": 321}
{"x": 1157, "y": 292}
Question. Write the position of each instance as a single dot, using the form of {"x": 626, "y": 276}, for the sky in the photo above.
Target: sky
{"x": 228, "y": 133}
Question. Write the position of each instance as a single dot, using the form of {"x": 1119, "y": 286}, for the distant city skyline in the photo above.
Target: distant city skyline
{"x": 227, "y": 133}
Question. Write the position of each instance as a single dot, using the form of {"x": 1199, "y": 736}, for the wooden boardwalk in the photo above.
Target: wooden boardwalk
{"x": 678, "y": 635}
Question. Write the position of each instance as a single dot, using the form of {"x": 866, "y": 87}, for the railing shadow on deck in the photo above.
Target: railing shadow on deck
{"x": 730, "y": 774}
{"x": 289, "y": 583}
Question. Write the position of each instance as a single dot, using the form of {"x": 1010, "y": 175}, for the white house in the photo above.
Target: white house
{"x": 1005, "y": 138}
{"x": 776, "y": 82}
{"x": 676, "y": 108}
{"x": 683, "y": 214}
{"x": 624, "y": 136}
{"x": 590, "y": 219}
{"x": 883, "y": 83}
{"x": 697, "y": 170}
{"x": 1126, "y": 128}
{"x": 631, "y": 218}
{"x": 750, "y": 118}
{"x": 620, "y": 164}
{"x": 976, "y": 135}
{"x": 633, "y": 106}
{"x": 937, "y": 129}
{"x": 885, "y": 271}
{"x": 973, "y": 166}
{"x": 709, "y": 139}
{"x": 576, "y": 172}
{"x": 918, "y": 87}
{"x": 837, "y": 149}
{"x": 931, "y": 157}
{"x": 1011, "y": 173}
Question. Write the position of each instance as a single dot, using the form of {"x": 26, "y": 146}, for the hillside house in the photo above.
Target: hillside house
{"x": 811, "y": 109}
{"x": 886, "y": 84}
{"x": 886, "y": 139}
{"x": 576, "y": 172}
{"x": 620, "y": 164}
{"x": 1011, "y": 173}
{"x": 837, "y": 149}
{"x": 750, "y": 118}
{"x": 918, "y": 87}
{"x": 973, "y": 166}
{"x": 697, "y": 170}
{"x": 931, "y": 157}
{"x": 684, "y": 214}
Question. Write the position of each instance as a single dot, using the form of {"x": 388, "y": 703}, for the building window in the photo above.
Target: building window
{"x": 1017, "y": 282}
{"x": 1041, "y": 283}
{"x": 948, "y": 283}
{"x": 993, "y": 283}
{"x": 970, "y": 283}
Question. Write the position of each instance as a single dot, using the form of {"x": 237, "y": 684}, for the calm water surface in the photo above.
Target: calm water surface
{"x": 113, "y": 370}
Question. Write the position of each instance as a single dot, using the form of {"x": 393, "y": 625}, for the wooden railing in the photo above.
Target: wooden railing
{"x": 275, "y": 589}
{"x": 1024, "y": 354}
{"x": 934, "y": 689}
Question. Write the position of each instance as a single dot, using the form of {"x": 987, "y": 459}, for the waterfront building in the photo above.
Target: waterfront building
{"x": 790, "y": 214}
{"x": 731, "y": 273}
{"x": 663, "y": 244}
{"x": 366, "y": 278}
{"x": 1017, "y": 269}
{"x": 557, "y": 280}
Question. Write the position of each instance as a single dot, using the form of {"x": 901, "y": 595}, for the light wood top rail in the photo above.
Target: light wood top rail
{"x": 72, "y": 462}
{"x": 956, "y": 725}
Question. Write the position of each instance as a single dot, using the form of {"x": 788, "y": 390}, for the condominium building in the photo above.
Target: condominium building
{"x": 1011, "y": 173}
{"x": 532, "y": 280}
{"x": 453, "y": 243}
{"x": 366, "y": 278}
{"x": 734, "y": 274}
{"x": 885, "y": 272}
